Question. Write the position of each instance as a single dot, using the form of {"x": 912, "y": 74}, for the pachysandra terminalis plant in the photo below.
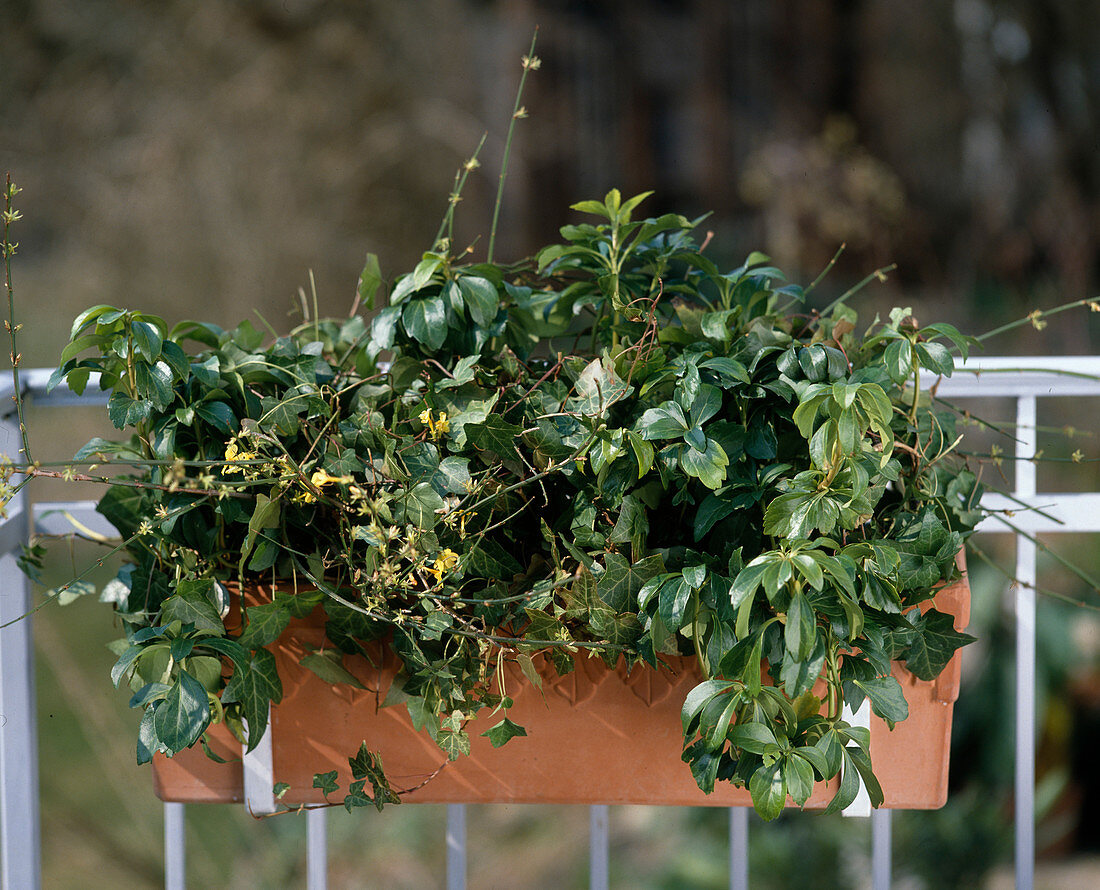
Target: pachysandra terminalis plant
{"x": 612, "y": 449}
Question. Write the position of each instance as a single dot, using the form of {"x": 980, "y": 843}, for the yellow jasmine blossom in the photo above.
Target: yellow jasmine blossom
{"x": 437, "y": 426}
{"x": 444, "y": 562}
{"x": 321, "y": 478}
{"x": 233, "y": 455}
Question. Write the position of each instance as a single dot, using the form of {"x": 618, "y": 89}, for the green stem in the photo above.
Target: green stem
{"x": 461, "y": 175}
{"x": 880, "y": 274}
{"x": 11, "y": 216}
{"x": 916, "y": 385}
{"x": 529, "y": 62}
{"x": 703, "y": 668}
{"x": 828, "y": 268}
{"x": 833, "y": 681}
{"x": 1036, "y": 316}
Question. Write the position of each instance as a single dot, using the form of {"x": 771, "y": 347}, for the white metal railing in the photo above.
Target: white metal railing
{"x": 1024, "y": 379}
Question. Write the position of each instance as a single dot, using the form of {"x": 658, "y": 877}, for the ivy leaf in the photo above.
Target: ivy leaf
{"x": 494, "y": 434}
{"x": 326, "y": 782}
{"x": 453, "y": 743}
{"x": 933, "y": 643}
{"x": 183, "y": 715}
{"x": 329, "y": 666}
{"x": 501, "y": 733}
{"x": 366, "y": 766}
{"x": 264, "y": 625}
{"x": 230, "y": 648}
{"x": 887, "y": 698}
{"x": 632, "y": 524}
{"x": 621, "y": 580}
{"x": 463, "y": 373}
{"x": 597, "y": 388}
{"x": 255, "y": 689}
{"x": 191, "y": 607}
{"x": 422, "y": 505}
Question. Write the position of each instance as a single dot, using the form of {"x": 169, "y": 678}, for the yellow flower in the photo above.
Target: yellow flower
{"x": 437, "y": 427}
{"x": 321, "y": 478}
{"x": 444, "y": 562}
{"x": 234, "y": 455}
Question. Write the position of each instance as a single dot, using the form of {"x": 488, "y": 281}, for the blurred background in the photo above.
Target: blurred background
{"x": 201, "y": 158}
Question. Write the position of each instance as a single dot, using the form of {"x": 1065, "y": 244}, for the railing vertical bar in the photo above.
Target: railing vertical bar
{"x": 316, "y": 850}
{"x": 259, "y": 774}
{"x": 456, "y": 846}
{"x": 175, "y": 848}
{"x": 20, "y": 852}
{"x": 1025, "y": 653}
{"x": 739, "y": 848}
{"x": 881, "y": 842}
{"x": 598, "y": 847}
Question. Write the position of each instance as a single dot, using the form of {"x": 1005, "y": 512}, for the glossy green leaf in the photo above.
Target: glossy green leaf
{"x": 708, "y": 466}
{"x": 183, "y": 715}
{"x": 480, "y": 297}
{"x": 426, "y": 321}
{"x": 219, "y": 415}
{"x": 125, "y": 411}
{"x": 800, "y": 632}
{"x": 887, "y": 698}
{"x": 370, "y": 280}
{"x": 799, "y": 778}
{"x": 768, "y": 789}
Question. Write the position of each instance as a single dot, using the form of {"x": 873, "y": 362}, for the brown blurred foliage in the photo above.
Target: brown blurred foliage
{"x": 200, "y": 156}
